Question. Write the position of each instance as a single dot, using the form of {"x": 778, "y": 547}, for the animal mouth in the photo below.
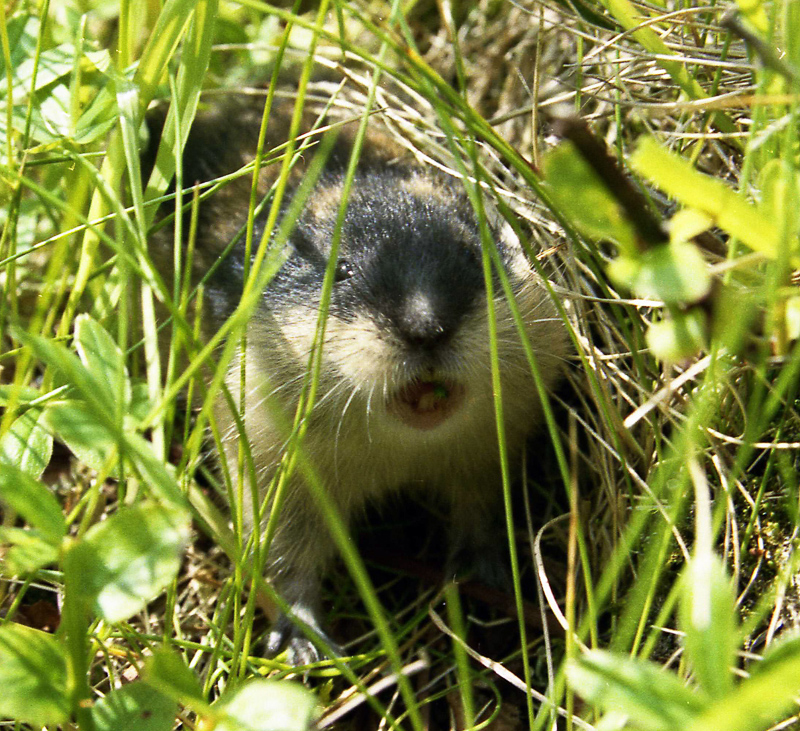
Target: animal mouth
{"x": 425, "y": 404}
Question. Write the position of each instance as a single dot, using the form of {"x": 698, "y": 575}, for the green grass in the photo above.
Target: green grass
{"x": 663, "y": 520}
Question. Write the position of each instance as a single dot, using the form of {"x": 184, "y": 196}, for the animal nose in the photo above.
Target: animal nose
{"x": 420, "y": 323}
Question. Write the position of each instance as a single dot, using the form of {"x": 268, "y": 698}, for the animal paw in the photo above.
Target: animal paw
{"x": 300, "y": 650}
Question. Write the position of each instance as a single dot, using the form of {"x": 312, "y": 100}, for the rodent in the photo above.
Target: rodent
{"x": 405, "y": 392}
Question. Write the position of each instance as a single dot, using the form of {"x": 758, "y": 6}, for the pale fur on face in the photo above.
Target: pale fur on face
{"x": 364, "y": 365}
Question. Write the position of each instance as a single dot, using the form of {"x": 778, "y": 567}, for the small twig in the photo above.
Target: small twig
{"x": 666, "y": 392}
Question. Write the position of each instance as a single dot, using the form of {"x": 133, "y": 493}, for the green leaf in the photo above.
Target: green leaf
{"x": 779, "y": 183}
{"x": 97, "y": 118}
{"x": 756, "y": 13}
{"x": 758, "y": 703}
{"x": 729, "y": 210}
{"x": 688, "y": 223}
{"x": 678, "y": 337}
{"x": 27, "y": 444}
{"x": 161, "y": 44}
{"x": 267, "y": 705}
{"x": 134, "y": 706}
{"x": 53, "y": 64}
{"x": 40, "y": 129}
{"x": 33, "y": 676}
{"x": 94, "y": 443}
{"x": 612, "y": 721}
{"x": 140, "y": 403}
{"x": 89, "y": 429}
{"x": 20, "y": 395}
{"x": 54, "y": 111}
{"x": 708, "y": 620}
{"x": 156, "y": 474}
{"x": 77, "y": 425}
{"x": 28, "y": 552}
{"x": 583, "y": 197}
{"x": 786, "y": 649}
{"x": 103, "y": 358}
{"x": 22, "y": 32}
{"x": 73, "y": 372}
{"x": 34, "y": 502}
{"x": 654, "y": 699}
{"x": 193, "y": 65}
{"x": 128, "y": 559}
{"x": 736, "y": 309}
{"x": 673, "y": 273}
{"x": 167, "y": 671}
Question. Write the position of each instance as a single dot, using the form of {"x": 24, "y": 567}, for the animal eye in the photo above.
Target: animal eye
{"x": 343, "y": 271}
